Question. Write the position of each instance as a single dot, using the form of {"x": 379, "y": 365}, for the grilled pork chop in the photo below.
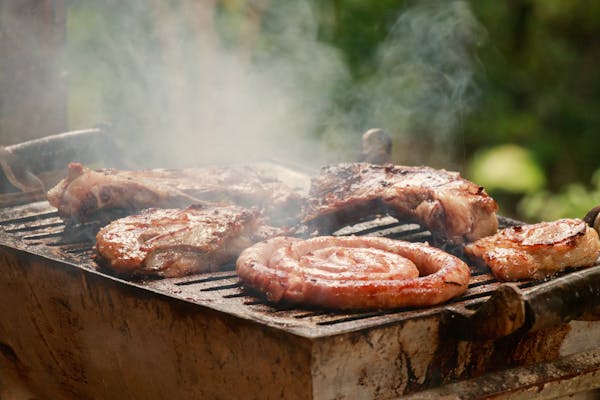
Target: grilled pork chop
{"x": 452, "y": 208}
{"x": 537, "y": 250}
{"x": 85, "y": 192}
{"x": 173, "y": 242}
{"x": 352, "y": 272}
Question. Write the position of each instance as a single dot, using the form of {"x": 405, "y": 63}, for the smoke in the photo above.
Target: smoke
{"x": 186, "y": 84}
{"x": 181, "y": 93}
{"x": 31, "y": 75}
{"x": 424, "y": 84}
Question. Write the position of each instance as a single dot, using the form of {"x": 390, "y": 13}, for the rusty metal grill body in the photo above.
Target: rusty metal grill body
{"x": 68, "y": 330}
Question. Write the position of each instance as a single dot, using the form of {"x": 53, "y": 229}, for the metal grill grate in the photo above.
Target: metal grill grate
{"x": 37, "y": 229}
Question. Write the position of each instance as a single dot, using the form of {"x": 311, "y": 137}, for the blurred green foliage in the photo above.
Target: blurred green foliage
{"x": 573, "y": 200}
{"x": 541, "y": 87}
{"x": 535, "y": 73}
{"x": 542, "y": 90}
{"x": 509, "y": 167}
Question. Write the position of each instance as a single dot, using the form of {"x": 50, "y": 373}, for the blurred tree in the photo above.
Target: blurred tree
{"x": 542, "y": 87}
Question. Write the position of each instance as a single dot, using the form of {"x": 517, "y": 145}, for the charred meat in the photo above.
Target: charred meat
{"x": 537, "y": 250}
{"x": 452, "y": 208}
{"x": 86, "y": 192}
{"x": 352, "y": 272}
{"x": 173, "y": 242}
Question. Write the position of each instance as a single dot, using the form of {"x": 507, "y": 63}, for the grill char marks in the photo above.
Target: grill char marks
{"x": 86, "y": 193}
{"x": 171, "y": 242}
{"x": 454, "y": 209}
{"x": 537, "y": 250}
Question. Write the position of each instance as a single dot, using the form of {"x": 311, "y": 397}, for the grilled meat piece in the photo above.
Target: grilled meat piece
{"x": 173, "y": 242}
{"x": 85, "y": 192}
{"x": 352, "y": 272}
{"x": 537, "y": 250}
{"x": 452, "y": 208}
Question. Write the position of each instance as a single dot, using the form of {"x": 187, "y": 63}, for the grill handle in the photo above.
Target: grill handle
{"x": 575, "y": 296}
{"x": 27, "y": 169}
{"x": 53, "y": 153}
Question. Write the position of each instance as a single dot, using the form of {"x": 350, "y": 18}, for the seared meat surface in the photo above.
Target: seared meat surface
{"x": 452, "y": 208}
{"x": 85, "y": 192}
{"x": 352, "y": 272}
{"x": 173, "y": 242}
{"x": 537, "y": 250}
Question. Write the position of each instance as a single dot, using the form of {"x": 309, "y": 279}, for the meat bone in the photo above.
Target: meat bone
{"x": 575, "y": 296}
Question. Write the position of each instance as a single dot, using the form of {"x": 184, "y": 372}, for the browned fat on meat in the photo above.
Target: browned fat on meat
{"x": 172, "y": 242}
{"x": 452, "y": 208}
{"x": 537, "y": 250}
{"x": 85, "y": 192}
{"x": 352, "y": 272}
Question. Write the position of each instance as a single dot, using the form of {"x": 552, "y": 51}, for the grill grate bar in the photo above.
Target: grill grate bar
{"x": 484, "y": 289}
{"x": 223, "y": 288}
{"x": 286, "y": 311}
{"x": 29, "y": 218}
{"x": 80, "y": 250}
{"x": 311, "y": 314}
{"x": 282, "y": 308}
{"x": 236, "y": 295}
{"x": 472, "y": 296}
{"x": 211, "y": 278}
{"x": 397, "y": 229}
{"x": 72, "y": 242}
{"x": 365, "y": 227}
{"x": 482, "y": 283}
{"x": 31, "y": 228}
{"x": 44, "y": 236}
{"x": 362, "y": 316}
{"x": 414, "y": 237}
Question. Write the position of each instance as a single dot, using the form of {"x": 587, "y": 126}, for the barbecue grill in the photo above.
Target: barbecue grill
{"x": 69, "y": 330}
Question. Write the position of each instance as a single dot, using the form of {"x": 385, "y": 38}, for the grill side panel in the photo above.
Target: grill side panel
{"x": 66, "y": 333}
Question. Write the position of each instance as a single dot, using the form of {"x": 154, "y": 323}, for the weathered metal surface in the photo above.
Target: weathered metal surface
{"x": 416, "y": 355}
{"x": 563, "y": 299}
{"x": 504, "y": 313}
{"x": 68, "y": 334}
{"x": 546, "y": 304}
{"x": 567, "y": 376}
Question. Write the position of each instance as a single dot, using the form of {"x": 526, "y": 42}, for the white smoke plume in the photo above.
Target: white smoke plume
{"x": 180, "y": 95}
{"x": 424, "y": 85}
{"x": 185, "y": 88}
